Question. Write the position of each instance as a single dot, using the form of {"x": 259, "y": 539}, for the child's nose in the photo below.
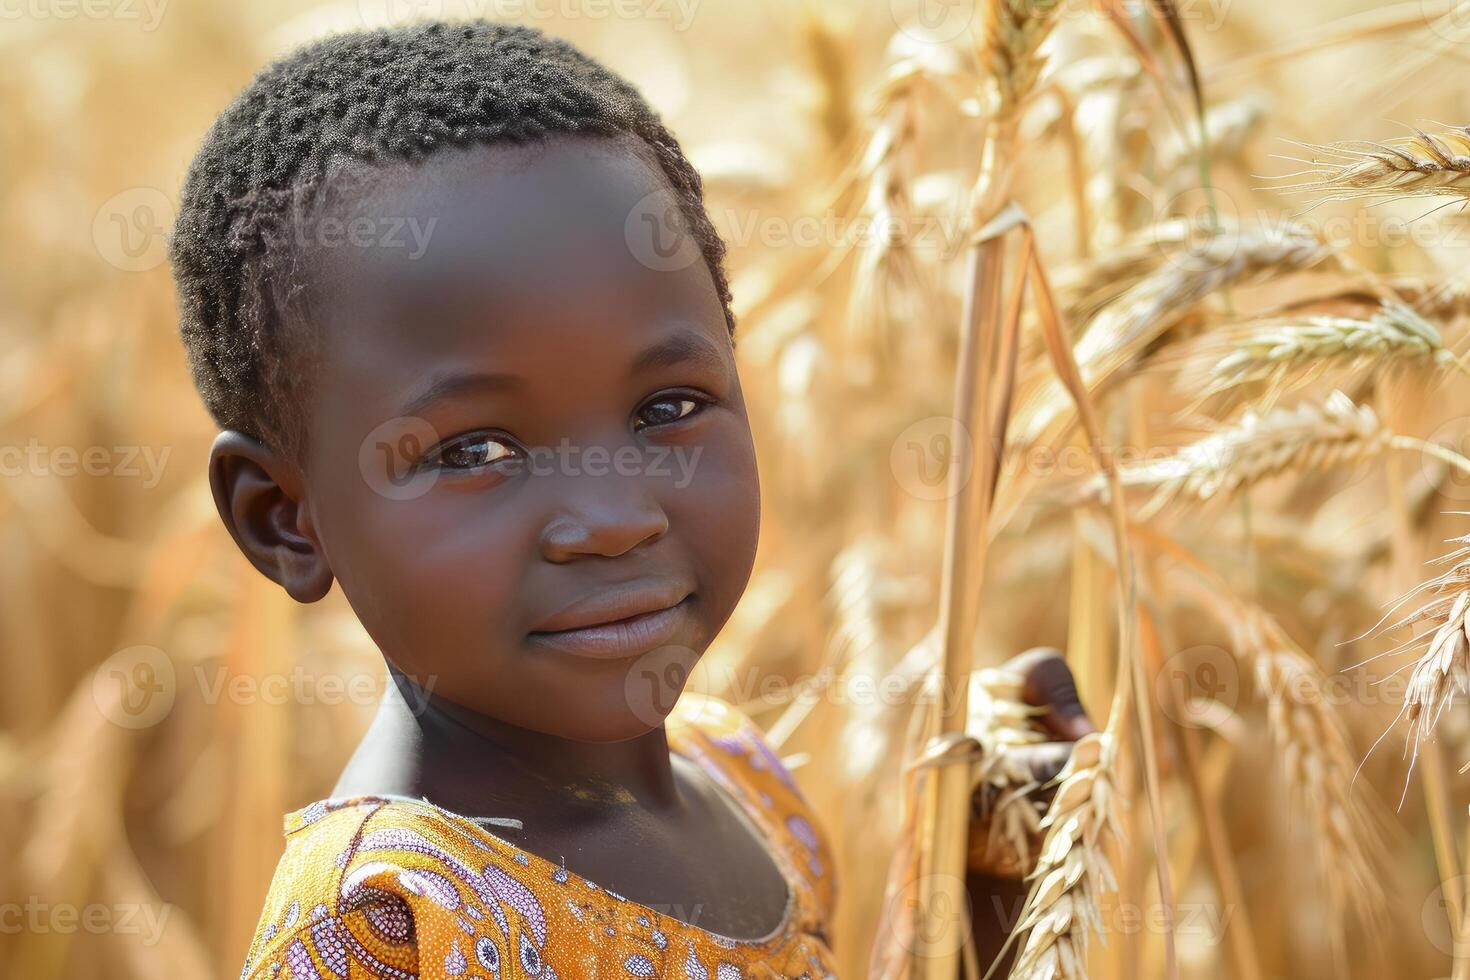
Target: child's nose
{"x": 603, "y": 517}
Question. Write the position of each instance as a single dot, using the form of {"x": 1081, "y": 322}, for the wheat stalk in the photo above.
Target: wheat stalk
{"x": 1011, "y": 36}
{"x": 1423, "y": 165}
{"x": 1074, "y": 870}
{"x": 1203, "y": 268}
{"x": 1443, "y": 671}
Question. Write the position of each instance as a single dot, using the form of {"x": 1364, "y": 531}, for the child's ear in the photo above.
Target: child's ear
{"x": 259, "y": 495}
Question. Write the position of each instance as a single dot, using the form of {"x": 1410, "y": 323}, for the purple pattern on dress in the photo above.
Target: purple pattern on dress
{"x": 500, "y": 920}
{"x": 328, "y": 941}
{"x": 455, "y": 964}
{"x": 518, "y": 897}
{"x": 488, "y": 954}
{"x": 431, "y": 885}
{"x": 389, "y": 915}
{"x": 776, "y": 765}
{"x": 802, "y": 829}
{"x": 400, "y": 839}
{"x": 530, "y": 956}
{"x": 732, "y": 744}
{"x": 300, "y": 962}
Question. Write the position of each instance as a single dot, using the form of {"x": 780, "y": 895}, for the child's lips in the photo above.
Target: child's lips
{"x": 616, "y": 624}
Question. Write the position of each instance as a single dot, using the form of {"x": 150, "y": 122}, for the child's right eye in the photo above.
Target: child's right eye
{"x": 470, "y": 452}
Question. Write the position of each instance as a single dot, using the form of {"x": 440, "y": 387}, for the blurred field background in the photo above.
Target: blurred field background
{"x": 163, "y": 705}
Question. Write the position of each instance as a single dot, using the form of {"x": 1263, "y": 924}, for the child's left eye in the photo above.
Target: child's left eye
{"x": 470, "y": 452}
{"x": 666, "y": 409}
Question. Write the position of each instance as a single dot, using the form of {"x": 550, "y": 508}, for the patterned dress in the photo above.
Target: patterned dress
{"x": 390, "y": 886}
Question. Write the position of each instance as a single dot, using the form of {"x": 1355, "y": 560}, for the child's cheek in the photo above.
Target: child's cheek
{"x": 714, "y": 507}
{"x": 436, "y": 579}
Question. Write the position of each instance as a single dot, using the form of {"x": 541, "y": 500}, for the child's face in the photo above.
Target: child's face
{"x": 518, "y": 430}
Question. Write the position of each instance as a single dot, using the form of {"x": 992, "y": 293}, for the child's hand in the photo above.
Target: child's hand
{"x": 1030, "y": 769}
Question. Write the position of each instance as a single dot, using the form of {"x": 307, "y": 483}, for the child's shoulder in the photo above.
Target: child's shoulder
{"x": 384, "y": 885}
{"x": 722, "y": 738}
{"x": 702, "y": 720}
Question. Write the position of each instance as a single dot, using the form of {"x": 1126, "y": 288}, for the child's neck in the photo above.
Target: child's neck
{"x": 423, "y": 745}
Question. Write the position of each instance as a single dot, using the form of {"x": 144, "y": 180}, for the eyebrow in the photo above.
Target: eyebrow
{"x": 446, "y": 385}
{"x": 682, "y": 348}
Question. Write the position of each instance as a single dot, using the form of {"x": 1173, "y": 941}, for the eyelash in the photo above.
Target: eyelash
{"x": 698, "y": 402}
{"x": 435, "y": 457}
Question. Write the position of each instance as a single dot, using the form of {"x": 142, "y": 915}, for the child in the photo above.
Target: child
{"x": 452, "y": 296}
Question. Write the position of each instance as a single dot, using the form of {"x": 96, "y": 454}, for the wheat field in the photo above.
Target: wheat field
{"x": 1136, "y": 329}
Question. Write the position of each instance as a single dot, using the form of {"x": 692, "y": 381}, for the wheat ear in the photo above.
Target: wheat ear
{"x": 1286, "y": 354}
{"x": 1302, "y": 437}
{"x": 1422, "y": 165}
{"x": 1120, "y": 334}
{"x": 1442, "y": 671}
{"x": 1316, "y": 760}
{"x": 1011, "y": 36}
{"x": 1009, "y": 822}
{"x": 1073, "y": 871}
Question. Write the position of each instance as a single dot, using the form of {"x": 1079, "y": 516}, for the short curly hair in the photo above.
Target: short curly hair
{"x": 369, "y": 98}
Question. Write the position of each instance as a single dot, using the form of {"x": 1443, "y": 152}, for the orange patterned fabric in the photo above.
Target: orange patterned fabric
{"x": 375, "y": 886}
